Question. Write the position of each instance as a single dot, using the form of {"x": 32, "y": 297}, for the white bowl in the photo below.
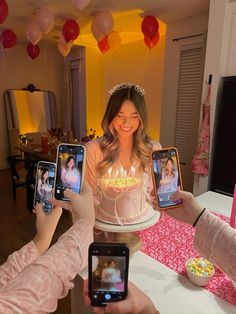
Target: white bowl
{"x": 203, "y": 277}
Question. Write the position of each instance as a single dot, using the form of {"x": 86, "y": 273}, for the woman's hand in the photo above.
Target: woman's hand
{"x": 136, "y": 302}
{"x": 80, "y": 205}
{"x": 188, "y": 211}
{"x": 45, "y": 225}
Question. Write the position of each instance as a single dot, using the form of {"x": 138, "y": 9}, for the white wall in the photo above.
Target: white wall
{"x": 220, "y": 58}
{"x": 17, "y": 70}
{"x": 135, "y": 63}
{"x": 186, "y": 27}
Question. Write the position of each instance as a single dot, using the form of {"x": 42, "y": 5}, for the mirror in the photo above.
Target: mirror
{"x": 31, "y": 112}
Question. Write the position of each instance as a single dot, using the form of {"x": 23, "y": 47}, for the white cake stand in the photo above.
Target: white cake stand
{"x": 125, "y": 234}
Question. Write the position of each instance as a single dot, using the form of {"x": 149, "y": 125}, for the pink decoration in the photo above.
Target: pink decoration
{"x": 114, "y": 40}
{"x": 3, "y": 11}
{"x": 64, "y": 47}
{"x": 70, "y": 30}
{"x": 150, "y": 43}
{"x": 150, "y": 26}
{"x": 8, "y": 38}
{"x": 45, "y": 20}
{"x": 81, "y": 4}
{"x": 33, "y": 51}
{"x": 103, "y": 22}
{"x": 33, "y": 33}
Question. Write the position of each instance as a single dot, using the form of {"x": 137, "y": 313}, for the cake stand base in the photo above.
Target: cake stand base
{"x": 105, "y": 232}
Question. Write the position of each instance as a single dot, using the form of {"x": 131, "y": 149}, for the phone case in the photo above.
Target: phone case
{"x": 154, "y": 181}
{"x": 41, "y": 162}
{"x": 83, "y": 164}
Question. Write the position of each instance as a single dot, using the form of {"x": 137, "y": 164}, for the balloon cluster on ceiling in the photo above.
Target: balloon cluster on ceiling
{"x": 101, "y": 28}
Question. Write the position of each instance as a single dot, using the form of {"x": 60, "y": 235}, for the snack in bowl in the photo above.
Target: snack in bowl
{"x": 200, "y": 271}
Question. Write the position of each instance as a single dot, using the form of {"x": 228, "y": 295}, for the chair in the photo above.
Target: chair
{"x": 23, "y": 176}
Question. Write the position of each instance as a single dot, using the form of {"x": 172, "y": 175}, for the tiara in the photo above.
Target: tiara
{"x": 120, "y": 86}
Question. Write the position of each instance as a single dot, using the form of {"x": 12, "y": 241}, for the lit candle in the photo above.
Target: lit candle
{"x": 117, "y": 172}
{"x": 132, "y": 169}
{"x": 125, "y": 178}
{"x": 109, "y": 172}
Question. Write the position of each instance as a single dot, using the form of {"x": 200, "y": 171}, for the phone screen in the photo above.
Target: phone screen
{"x": 44, "y": 184}
{"x": 70, "y": 160}
{"x": 167, "y": 176}
{"x": 108, "y": 272}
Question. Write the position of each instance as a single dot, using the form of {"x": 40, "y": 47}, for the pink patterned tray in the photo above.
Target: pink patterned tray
{"x": 171, "y": 243}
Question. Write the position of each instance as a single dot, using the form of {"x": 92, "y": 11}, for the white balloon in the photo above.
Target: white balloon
{"x": 45, "y": 20}
{"x": 81, "y": 4}
{"x": 104, "y": 22}
{"x": 33, "y": 33}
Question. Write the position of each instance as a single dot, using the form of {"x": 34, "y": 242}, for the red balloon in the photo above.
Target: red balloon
{"x": 3, "y": 11}
{"x": 150, "y": 43}
{"x": 9, "y": 38}
{"x": 33, "y": 51}
{"x": 103, "y": 44}
{"x": 150, "y": 26}
{"x": 70, "y": 30}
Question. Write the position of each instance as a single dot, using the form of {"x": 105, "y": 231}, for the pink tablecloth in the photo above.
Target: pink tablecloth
{"x": 171, "y": 243}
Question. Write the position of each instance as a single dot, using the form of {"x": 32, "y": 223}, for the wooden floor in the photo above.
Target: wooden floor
{"x": 17, "y": 226}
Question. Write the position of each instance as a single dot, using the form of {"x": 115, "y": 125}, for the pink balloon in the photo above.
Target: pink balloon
{"x": 33, "y": 33}
{"x": 45, "y": 20}
{"x": 96, "y": 33}
{"x": 64, "y": 44}
{"x": 81, "y": 4}
{"x": 3, "y": 11}
{"x": 8, "y": 38}
{"x": 104, "y": 22}
{"x": 33, "y": 51}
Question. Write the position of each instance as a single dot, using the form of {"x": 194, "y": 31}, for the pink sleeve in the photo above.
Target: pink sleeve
{"x": 39, "y": 286}
{"x": 17, "y": 262}
{"x": 216, "y": 241}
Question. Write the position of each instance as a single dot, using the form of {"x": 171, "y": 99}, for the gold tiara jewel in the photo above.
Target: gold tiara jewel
{"x": 120, "y": 86}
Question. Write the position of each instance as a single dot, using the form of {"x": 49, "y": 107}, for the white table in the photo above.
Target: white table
{"x": 170, "y": 292}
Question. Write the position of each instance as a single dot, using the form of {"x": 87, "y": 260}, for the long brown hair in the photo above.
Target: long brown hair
{"x": 109, "y": 143}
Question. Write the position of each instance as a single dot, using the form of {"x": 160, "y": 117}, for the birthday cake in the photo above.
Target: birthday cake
{"x": 122, "y": 200}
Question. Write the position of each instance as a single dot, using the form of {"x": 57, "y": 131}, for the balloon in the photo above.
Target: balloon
{"x": 70, "y": 30}
{"x": 150, "y": 43}
{"x": 96, "y": 33}
{"x": 45, "y": 20}
{"x": 33, "y": 50}
{"x": 9, "y": 38}
{"x": 114, "y": 40}
{"x": 63, "y": 50}
{"x": 103, "y": 44}
{"x": 103, "y": 22}
{"x": 33, "y": 33}
{"x": 81, "y": 4}
{"x": 150, "y": 26}
{"x": 3, "y": 11}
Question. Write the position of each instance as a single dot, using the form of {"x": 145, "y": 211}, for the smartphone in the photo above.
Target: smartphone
{"x": 44, "y": 184}
{"x": 108, "y": 272}
{"x": 70, "y": 169}
{"x": 166, "y": 176}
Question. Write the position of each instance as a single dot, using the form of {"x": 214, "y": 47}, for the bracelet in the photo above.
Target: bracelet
{"x": 195, "y": 222}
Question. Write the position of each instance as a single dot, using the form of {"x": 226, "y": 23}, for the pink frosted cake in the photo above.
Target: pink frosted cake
{"x": 122, "y": 200}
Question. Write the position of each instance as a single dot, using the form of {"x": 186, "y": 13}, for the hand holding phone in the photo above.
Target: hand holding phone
{"x": 166, "y": 176}
{"x": 108, "y": 272}
{"x": 44, "y": 184}
{"x": 70, "y": 164}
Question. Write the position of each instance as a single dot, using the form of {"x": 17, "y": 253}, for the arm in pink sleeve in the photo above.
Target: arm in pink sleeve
{"x": 39, "y": 286}
{"x": 17, "y": 262}
{"x": 216, "y": 241}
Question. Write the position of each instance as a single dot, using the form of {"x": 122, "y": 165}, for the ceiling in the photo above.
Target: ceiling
{"x": 127, "y": 15}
